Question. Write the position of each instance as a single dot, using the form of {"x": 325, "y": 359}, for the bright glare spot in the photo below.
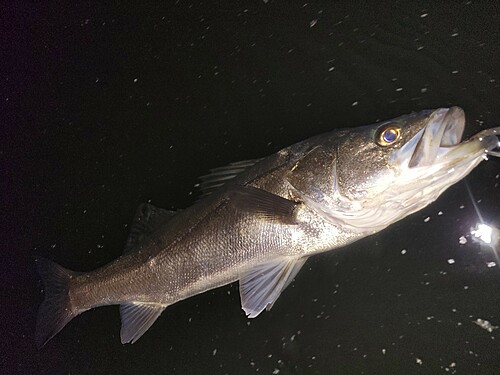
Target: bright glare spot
{"x": 484, "y": 324}
{"x": 451, "y": 261}
{"x": 483, "y": 232}
{"x": 491, "y": 264}
{"x": 462, "y": 240}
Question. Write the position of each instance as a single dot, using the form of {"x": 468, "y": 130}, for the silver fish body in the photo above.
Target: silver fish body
{"x": 261, "y": 219}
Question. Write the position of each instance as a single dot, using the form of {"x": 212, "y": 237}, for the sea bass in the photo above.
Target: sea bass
{"x": 259, "y": 220}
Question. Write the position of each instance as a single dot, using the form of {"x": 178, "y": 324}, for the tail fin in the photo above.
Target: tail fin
{"x": 56, "y": 310}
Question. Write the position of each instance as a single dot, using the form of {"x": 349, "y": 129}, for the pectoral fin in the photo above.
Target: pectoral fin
{"x": 261, "y": 286}
{"x": 136, "y": 320}
{"x": 265, "y": 204}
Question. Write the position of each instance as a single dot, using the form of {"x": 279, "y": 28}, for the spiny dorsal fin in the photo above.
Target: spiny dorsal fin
{"x": 261, "y": 286}
{"x": 147, "y": 219}
{"x": 219, "y": 176}
{"x": 136, "y": 319}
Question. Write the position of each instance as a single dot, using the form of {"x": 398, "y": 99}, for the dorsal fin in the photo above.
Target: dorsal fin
{"x": 147, "y": 219}
{"x": 219, "y": 176}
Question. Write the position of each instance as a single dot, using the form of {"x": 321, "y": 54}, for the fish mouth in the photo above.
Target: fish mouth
{"x": 440, "y": 141}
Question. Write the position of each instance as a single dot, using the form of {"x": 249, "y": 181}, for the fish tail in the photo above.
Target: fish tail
{"x": 56, "y": 310}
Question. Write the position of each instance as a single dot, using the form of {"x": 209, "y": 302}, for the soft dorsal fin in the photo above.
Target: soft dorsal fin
{"x": 219, "y": 176}
{"x": 261, "y": 286}
{"x": 147, "y": 219}
{"x": 137, "y": 318}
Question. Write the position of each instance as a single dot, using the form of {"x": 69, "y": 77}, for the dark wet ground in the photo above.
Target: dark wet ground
{"x": 109, "y": 106}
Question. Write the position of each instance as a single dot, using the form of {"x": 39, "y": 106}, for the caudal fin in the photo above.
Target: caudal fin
{"x": 56, "y": 310}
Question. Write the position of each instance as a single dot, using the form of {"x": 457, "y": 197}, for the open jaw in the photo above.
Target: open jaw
{"x": 439, "y": 142}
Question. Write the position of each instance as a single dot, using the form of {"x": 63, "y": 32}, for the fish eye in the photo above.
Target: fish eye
{"x": 388, "y": 135}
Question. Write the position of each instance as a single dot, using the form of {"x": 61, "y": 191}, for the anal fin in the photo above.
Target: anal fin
{"x": 261, "y": 286}
{"x": 137, "y": 318}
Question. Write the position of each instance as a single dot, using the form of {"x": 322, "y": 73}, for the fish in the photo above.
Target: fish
{"x": 259, "y": 220}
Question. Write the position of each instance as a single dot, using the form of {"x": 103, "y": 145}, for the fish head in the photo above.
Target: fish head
{"x": 381, "y": 173}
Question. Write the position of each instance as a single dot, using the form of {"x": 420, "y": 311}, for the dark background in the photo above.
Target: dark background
{"x": 107, "y": 106}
